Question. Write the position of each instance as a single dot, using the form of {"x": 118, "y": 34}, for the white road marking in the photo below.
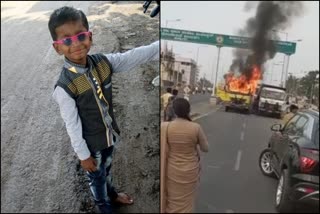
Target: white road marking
{"x": 242, "y": 136}
{"x": 204, "y": 115}
{"x": 237, "y": 166}
{"x": 229, "y": 211}
{"x": 214, "y": 167}
{"x": 244, "y": 125}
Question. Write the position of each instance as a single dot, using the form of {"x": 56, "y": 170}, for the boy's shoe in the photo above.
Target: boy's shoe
{"x": 123, "y": 199}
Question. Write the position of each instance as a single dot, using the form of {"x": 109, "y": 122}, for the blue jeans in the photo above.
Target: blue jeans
{"x": 100, "y": 181}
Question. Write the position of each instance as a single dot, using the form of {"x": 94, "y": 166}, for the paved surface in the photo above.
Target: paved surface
{"x": 231, "y": 180}
{"x": 199, "y": 98}
{"x": 200, "y": 107}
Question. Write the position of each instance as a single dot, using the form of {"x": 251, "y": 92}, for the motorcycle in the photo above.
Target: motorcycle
{"x": 155, "y": 10}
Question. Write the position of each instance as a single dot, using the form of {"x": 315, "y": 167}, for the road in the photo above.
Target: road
{"x": 35, "y": 157}
{"x": 198, "y": 98}
{"x": 231, "y": 181}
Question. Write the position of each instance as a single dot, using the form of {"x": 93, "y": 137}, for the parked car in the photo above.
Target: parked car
{"x": 292, "y": 157}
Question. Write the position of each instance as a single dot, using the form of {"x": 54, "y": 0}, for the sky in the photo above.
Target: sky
{"x": 227, "y": 18}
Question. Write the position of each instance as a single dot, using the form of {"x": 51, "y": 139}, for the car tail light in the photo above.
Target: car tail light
{"x": 305, "y": 189}
{"x": 307, "y": 164}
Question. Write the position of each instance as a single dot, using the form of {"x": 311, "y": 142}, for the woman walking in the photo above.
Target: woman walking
{"x": 181, "y": 142}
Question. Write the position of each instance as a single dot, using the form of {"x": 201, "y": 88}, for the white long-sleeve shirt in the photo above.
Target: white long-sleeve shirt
{"x": 69, "y": 112}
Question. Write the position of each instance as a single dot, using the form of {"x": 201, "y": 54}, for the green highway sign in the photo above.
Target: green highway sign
{"x": 220, "y": 40}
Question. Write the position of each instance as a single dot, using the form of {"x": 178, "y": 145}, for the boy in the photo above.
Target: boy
{"x": 84, "y": 95}
{"x": 293, "y": 110}
{"x": 164, "y": 99}
{"x": 169, "y": 112}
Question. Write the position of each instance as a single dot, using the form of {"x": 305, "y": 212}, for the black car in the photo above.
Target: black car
{"x": 292, "y": 156}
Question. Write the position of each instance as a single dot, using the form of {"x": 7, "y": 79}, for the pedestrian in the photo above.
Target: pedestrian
{"x": 169, "y": 112}
{"x": 165, "y": 99}
{"x": 84, "y": 95}
{"x": 288, "y": 116}
{"x": 181, "y": 142}
{"x": 186, "y": 92}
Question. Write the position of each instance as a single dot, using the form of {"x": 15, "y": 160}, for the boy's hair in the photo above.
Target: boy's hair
{"x": 175, "y": 92}
{"x": 63, "y": 15}
{"x": 169, "y": 90}
{"x": 293, "y": 107}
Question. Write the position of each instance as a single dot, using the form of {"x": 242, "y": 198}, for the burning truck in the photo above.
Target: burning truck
{"x": 241, "y": 88}
{"x": 238, "y": 91}
{"x": 245, "y": 93}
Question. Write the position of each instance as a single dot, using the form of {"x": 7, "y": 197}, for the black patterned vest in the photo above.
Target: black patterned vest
{"x": 92, "y": 92}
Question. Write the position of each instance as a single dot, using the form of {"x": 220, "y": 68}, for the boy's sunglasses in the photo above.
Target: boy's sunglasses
{"x": 68, "y": 40}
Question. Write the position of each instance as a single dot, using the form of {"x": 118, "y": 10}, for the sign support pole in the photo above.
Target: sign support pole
{"x": 216, "y": 77}
{"x": 286, "y": 74}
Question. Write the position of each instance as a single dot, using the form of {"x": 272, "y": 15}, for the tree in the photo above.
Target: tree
{"x": 292, "y": 84}
{"x": 205, "y": 83}
{"x": 309, "y": 86}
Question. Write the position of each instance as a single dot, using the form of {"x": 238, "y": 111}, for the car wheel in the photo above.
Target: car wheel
{"x": 283, "y": 201}
{"x": 227, "y": 108}
{"x": 265, "y": 163}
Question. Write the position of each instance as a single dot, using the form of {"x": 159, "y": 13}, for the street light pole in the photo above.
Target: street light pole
{"x": 212, "y": 66}
{"x": 286, "y": 74}
{"x": 197, "y": 57}
{"x": 284, "y": 56}
{"x": 173, "y": 20}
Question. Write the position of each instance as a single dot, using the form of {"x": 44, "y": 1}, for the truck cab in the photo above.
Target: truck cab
{"x": 271, "y": 99}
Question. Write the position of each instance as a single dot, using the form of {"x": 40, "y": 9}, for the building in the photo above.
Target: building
{"x": 167, "y": 69}
{"x": 186, "y": 71}
{"x": 177, "y": 71}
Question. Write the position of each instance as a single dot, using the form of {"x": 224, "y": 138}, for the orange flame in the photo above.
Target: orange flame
{"x": 242, "y": 84}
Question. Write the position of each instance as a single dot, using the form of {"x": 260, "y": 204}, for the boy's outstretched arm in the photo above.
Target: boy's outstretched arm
{"x": 130, "y": 59}
{"x": 70, "y": 116}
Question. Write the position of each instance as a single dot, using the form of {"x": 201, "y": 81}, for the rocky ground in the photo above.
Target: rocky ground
{"x": 39, "y": 170}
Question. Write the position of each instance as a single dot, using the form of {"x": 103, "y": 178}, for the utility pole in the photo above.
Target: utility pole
{"x": 213, "y": 98}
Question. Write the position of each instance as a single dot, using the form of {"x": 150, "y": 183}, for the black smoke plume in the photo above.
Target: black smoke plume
{"x": 270, "y": 17}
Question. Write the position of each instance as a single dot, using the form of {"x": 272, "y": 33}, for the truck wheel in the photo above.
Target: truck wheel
{"x": 227, "y": 109}
{"x": 283, "y": 202}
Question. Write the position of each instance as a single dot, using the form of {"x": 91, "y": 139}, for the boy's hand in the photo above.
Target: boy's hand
{"x": 89, "y": 164}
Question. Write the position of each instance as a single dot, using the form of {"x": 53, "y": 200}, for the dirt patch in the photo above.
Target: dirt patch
{"x": 39, "y": 169}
